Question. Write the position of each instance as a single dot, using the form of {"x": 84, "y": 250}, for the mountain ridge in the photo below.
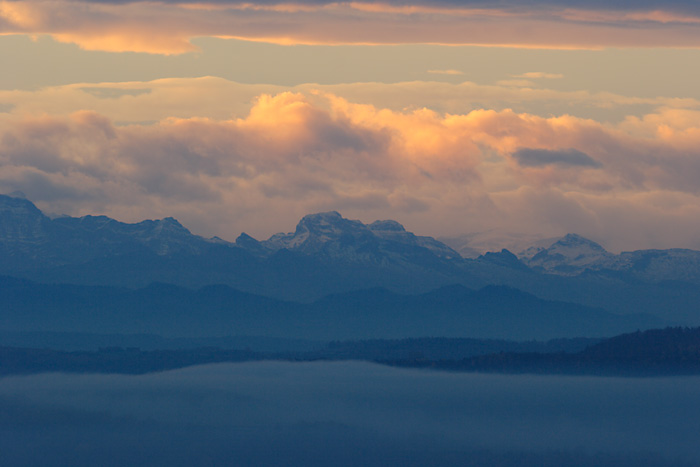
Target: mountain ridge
{"x": 214, "y": 311}
{"x": 328, "y": 254}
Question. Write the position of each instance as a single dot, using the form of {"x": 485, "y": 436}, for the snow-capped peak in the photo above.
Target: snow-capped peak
{"x": 331, "y": 235}
{"x": 570, "y": 253}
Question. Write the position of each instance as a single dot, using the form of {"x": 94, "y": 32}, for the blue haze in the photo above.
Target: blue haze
{"x": 346, "y": 413}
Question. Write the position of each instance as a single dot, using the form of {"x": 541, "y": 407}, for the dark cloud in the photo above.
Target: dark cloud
{"x": 43, "y": 186}
{"x": 346, "y": 413}
{"x": 530, "y": 157}
{"x": 122, "y": 26}
{"x": 634, "y": 5}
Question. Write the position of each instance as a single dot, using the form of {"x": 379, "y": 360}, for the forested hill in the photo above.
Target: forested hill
{"x": 659, "y": 352}
{"x": 651, "y": 347}
{"x": 670, "y": 351}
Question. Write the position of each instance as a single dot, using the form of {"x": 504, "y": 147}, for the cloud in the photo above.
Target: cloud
{"x": 203, "y": 97}
{"x": 291, "y": 153}
{"x": 539, "y": 75}
{"x": 530, "y": 157}
{"x": 129, "y": 26}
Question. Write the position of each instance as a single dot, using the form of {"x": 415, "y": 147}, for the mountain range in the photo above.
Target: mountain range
{"x": 328, "y": 254}
{"x": 214, "y": 311}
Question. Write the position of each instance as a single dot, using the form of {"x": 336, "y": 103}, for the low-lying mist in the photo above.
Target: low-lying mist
{"x": 346, "y": 413}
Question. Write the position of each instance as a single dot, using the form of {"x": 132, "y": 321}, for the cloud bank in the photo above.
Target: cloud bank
{"x": 293, "y": 153}
{"x": 130, "y": 26}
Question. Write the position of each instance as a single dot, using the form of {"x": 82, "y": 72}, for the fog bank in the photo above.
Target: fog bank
{"x": 346, "y": 413}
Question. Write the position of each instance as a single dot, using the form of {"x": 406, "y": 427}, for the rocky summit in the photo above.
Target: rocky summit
{"x": 330, "y": 235}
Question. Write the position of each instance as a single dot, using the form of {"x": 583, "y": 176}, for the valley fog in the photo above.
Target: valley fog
{"x": 346, "y": 413}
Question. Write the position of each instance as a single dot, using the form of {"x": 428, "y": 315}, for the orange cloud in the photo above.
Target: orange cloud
{"x": 539, "y": 75}
{"x": 121, "y": 41}
{"x": 446, "y": 72}
{"x": 220, "y": 99}
{"x": 295, "y": 153}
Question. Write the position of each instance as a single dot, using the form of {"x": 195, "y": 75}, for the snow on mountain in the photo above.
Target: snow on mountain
{"x": 331, "y": 235}
{"x": 393, "y": 231}
{"x": 574, "y": 254}
{"x": 26, "y": 234}
{"x": 30, "y": 239}
{"x": 535, "y": 247}
{"x": 162, "y": 236}
{"x": 21, "y": 221}
{"x": 657, "y": 265}
{"x": 571, "y": 254}
{"x": 475, "y": 244}
{"x": 316, "y": 232}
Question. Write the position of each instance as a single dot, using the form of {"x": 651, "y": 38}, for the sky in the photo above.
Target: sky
{"x": 540, "y": 117}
